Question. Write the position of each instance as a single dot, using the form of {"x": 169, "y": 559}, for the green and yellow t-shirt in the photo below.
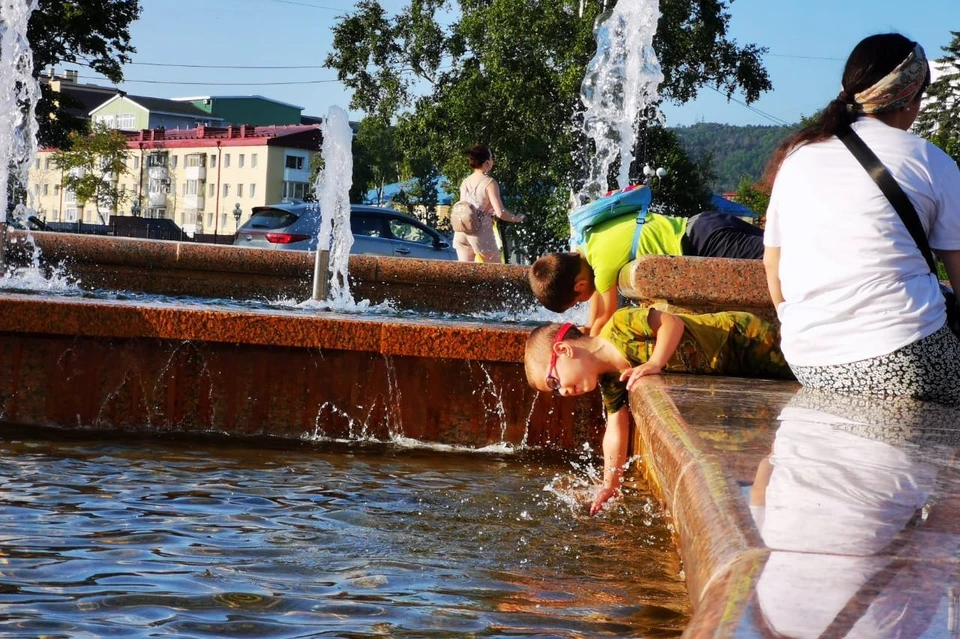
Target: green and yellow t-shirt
{"x": 607, "y": 247}
{"x": 730, "y": 343}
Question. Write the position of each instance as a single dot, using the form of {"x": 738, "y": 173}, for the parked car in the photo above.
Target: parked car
{"x": 376, "y": 231}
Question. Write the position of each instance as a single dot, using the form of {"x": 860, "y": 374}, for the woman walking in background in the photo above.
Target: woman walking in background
{"x": 484, "y": 193}
{"x": 860, "y": 309}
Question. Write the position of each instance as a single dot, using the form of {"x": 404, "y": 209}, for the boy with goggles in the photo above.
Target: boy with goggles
{"x": 644, "y": 341}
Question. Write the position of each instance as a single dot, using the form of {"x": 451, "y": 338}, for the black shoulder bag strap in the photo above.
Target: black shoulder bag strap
{"x": 904, "y": 207}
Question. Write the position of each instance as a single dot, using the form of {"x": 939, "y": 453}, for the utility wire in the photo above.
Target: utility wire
{"x": 232, "y": 84}
{"x": 224, "y": 66}
{"x": 772, "y": 118}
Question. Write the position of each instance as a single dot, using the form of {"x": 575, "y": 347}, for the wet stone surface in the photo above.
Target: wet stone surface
{"x": 852, "y": 505}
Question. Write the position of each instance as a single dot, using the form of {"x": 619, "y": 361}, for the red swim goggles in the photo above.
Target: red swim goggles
{"x": 553, "y": 381}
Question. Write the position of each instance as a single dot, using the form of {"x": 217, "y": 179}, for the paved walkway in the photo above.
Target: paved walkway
{"x": 803, "y": 514}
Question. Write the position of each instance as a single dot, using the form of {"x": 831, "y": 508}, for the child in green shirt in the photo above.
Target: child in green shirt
{"x": 562, "y": 280}
{"x": 643, "y": 341}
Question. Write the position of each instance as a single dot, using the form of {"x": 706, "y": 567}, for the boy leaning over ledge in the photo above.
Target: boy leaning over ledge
{"x": 643, "y": 341}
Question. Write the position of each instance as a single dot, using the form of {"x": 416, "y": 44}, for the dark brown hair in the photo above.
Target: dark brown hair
{"x": 552, "y": 279}
{"x": 873, "y": 58}
{"x": 477, "y": 155}
{"x": 540, "y": 345}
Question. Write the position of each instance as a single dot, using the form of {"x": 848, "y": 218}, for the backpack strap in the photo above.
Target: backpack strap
{"x": 641, "y": 218}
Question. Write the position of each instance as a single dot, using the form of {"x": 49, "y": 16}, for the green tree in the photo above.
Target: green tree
{"x": 375, "y": 159}
{"x": 939, "y": 120}
{"x": 753, "y": 197}
{"x": 92, "y": 167}
{"x": 507, "y": 73}
{"x": 92, "y": 33}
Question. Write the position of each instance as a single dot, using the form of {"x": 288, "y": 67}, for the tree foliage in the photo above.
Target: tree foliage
{"x": 453, "y": 73}
{"x": 939, "y": 120}
{"x": 92, "y": 33}
{"x": 92, "y": 167}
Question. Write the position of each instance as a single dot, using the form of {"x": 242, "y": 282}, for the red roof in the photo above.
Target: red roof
{"x": 290, "y": 135}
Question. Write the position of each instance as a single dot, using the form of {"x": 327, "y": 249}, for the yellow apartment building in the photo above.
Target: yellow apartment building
{"x": 196, "y": 177}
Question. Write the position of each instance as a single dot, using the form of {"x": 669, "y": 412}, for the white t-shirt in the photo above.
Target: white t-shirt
{"x": 854, "y": 282}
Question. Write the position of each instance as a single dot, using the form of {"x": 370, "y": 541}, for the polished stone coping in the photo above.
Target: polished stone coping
{"x": 700, "y": 440}
{"x": 383, "y": 335}
{"x": 243, "y": 273}
{"x": 700, "y": 284}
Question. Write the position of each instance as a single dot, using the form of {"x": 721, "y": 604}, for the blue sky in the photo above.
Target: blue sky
{"x": 808, "y": 42}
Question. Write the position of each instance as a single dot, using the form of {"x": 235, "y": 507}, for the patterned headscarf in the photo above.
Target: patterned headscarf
{"x": 896, "y": 89}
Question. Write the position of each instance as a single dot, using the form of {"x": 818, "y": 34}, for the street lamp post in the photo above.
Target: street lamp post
{"x": 237, "y": 213}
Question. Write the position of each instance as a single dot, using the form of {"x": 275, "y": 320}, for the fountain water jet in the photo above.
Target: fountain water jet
{"x": 19, "y": 94}
{"x": 619, "y": 87}
{"x": 333, "y": 193}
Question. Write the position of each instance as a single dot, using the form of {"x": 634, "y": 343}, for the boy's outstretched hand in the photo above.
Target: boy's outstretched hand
{"x": 631, "y": 375}
{"x": 603, "y": 496}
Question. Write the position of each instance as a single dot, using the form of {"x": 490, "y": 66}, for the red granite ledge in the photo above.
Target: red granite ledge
{"x": 161, "y": 254}
{"x": 696, "y": 281}
{"x": 711, "y": 519}
{"x": 389, "y": 336}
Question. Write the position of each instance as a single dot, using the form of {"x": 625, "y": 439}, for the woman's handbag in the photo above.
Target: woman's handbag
{"x": 905, "y": 209}
{"x": 465, "y": 216}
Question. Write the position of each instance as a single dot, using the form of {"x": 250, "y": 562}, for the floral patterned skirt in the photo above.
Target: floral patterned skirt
{"x": 928, "y": 369}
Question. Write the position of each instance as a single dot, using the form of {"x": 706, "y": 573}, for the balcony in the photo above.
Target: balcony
{"x": 157, "y": 172}
{"x": 193, "y": 202}
{"x": 198, "y": 173}
{"x": 296, "y": 175}
{"x": 156, "y": 199}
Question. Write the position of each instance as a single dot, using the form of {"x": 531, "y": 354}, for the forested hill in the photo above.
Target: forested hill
{"x": 734, "y": 151}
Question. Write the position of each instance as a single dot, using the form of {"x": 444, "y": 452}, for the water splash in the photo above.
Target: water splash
{"x": 619, "y": 88}
{"x": 333, "y": 193}
{"x": 19, "y": 93}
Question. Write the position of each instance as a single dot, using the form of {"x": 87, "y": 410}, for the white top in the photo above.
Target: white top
{"x": 854, "y": 282}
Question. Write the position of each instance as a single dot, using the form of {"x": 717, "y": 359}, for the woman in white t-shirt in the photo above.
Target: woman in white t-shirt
{"x": 859, "y": 308}
{"x": 484, "y": 192}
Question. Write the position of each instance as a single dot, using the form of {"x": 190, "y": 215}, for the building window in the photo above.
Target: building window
{"x": 56, "y": 214}
{"x": 294, "y": 162}
{"x": 183, "y": 189}
{"x": 213, "y": 161}
{"x": 157, "y": 159}
{"x": 56, "y": 189}
{"x": 46, "y": 164}
{"x": 192, "y": 187}
{"x": 46, "y": 189}
{"x": 240, "y": 161}
{"x": 209, "y": 219}
{"x": 253, "y": 189}
{"x": 294, "y": 190}
{"x": 69, "y": 197}
{"x": 210, "y": 188}
{"x": 70, "y": 215}
{"x": 136, "y": 162}
{"x": 226, "y": 160}
{"x": 36, "y": 164}
{"x": 226, "y": 190}
{"x": 253, "y": 160}
{"x": 194, "y": 159}
{"x": 173, "y": 162}
{"x": 240, "y": 190}
{"x": 126, "y": 121}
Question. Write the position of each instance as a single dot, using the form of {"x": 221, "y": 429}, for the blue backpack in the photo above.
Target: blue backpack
{"x": 624, "y": 202}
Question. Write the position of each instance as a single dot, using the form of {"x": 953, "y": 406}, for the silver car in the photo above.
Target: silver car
{"x": 376, "y": 231}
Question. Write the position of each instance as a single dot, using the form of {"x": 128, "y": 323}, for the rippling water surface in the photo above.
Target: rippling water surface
{"x": 200, "y": 538}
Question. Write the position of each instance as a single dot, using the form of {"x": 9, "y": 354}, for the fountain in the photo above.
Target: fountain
{"x": 18, "y": 100}
{"x": 619, "y": 88}
{"x": 194, "y": 357}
